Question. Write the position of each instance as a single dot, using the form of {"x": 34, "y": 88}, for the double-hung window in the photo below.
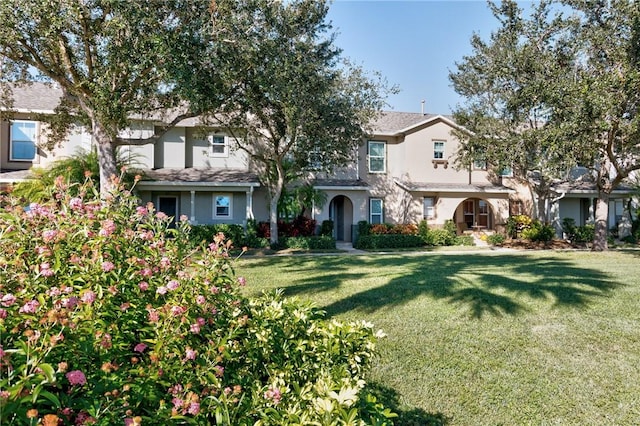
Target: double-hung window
{"x": 218, "y": 146}
{"x": 23, "y": 141}
{"x": 429, "y": 208}
{"x": 438, "y": 150}
{"x": 222, "y": 206}
{"x": 375, "y": 211}
{"x": 376, "y": 155}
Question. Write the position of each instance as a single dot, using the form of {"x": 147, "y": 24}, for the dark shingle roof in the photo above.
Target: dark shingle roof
{"x": 37, "y": 97}
{"x": 452, "y": 187}
{"x": 190, "y": 175}
{"x": 345, "y": 183}
{"x": 392, "y": 122}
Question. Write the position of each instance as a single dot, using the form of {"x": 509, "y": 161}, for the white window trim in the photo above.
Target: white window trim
{"x": 429, "y": 212}
{"x": 215, "y": 210}
{"x": 35, "y": 154}
{"x": 444, "y": 150}
{"x": 384, "y": 157}
{"x": 225, "y": 152}
{"x": 371, "y": 214}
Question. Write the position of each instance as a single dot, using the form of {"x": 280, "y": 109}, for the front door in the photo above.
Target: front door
{"x": 169, "y": 206}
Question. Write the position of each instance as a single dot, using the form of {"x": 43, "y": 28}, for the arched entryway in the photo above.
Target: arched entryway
{"x": 474, "y": 214}
{"x": 341, "y": 213}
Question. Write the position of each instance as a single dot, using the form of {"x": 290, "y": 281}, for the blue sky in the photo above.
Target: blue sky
{"x": 414, "y": 44}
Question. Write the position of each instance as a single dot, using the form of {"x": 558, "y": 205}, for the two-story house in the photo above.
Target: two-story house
{"x": 403, "y": 173}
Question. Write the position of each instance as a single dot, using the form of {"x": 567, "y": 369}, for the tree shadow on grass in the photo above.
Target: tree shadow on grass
{"x": 406, "y": 416}
{"x": 485, "y": 285}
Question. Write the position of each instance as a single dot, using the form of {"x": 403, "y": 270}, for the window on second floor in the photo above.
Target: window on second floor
{"x": 23, "y": 141}
{"x": 438, "y": 150}
{"x": 222, "y": 206}
{"x": 376, "y": 156}
{"x": 218, "y": 146}
{"x": 375, "y": 211}
{"x": 429, "y": 207}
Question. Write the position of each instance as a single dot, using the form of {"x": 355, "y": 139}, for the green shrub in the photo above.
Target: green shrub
{"x": 199, "y": 234}
{"x": 585, "y": 234}
{"x": 495, "y": 239}
{"x": 539, "y": 231}
{"x": 105, "y": 319}
{"x": 309, "y": 243}
{"x": 517, "y": 224}
{"x": 463, "y": 240}
{"x": 326, "y": 229}
{"x": 440, "y": 237}
{"x": 375, "y": 242}
{"x": 364, "y": 228}
{"x": 423, "y": 230}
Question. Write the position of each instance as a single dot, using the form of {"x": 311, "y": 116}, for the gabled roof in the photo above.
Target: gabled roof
{"x": 205, "y": 176}
{"x": 392, "y": 123}
{"x": 452, "y": 187}
{"x": 36, "y": 97}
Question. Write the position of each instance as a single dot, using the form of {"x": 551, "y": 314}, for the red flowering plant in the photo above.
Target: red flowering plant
{"x": 108, "y": 317}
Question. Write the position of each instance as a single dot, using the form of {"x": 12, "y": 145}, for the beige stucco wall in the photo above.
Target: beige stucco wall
{"x": 169, "y": 152}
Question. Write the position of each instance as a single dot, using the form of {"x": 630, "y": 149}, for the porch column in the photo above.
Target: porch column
{"x": 250, "y": 203}
{"x": 192, "y": 216}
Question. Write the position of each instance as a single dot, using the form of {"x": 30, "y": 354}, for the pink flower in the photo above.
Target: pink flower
{"x": 242, "y": 281}
{"x": 194, "y": 408}
{"x": 49, "y": 235}
{"x": 45, "y": 270}
{"x": 195, "y": 328}
{"x": 154, "y": 316}
{"x": 161, "y": 290}
{"x": 142, "y": 211}
{"x": 140, "y": 347}
{"x": 143, "y": 285}
{"x": 219, "y": 370}
{"x": 2, "y": 353}
{"x": 200, "y": 321}
{"x": 108, "y": 266}
{"x": 165, "y": 262}
{"x": 88, "y": 297}
{"x": 108, "y": 228}
{"x": 106, "y": 341}
{"x": 273, "y": 394}
{"x": 190, "y": 354}
{"x": 8, "y": 300}
{"x": 4, "y": 394}
{"x": 173, "y": 285}
{"x": 75, "y": 203}
{"x": 71, "y": 302}
{"x": 3, "y": 313}
{"x": 176, "y": 311}
{"x": 30, "y": 307}
{"x": 146, "y": 272}
{"x": 76, "y": 377}
{"x": 177, "y": 402}
{"x": 200, "y": 300}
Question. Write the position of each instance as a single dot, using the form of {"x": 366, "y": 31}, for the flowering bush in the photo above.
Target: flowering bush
{"x": 107, "y": 317}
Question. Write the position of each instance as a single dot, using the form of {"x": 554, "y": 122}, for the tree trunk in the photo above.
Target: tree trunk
{"x": 106, "y": 159}
{"x": 601, "y": 222}
{"x": 276, "y": 192}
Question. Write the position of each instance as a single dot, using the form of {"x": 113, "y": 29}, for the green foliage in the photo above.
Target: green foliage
{"x": 76, "y": 169}
{"x": 309, "y": 243}
{"x": 440, "y": 237}
{"x": 539, "y": 231}
{"x": 585, "y": 234}
{"x": 364, "y": 228}
{"x": 463, "y": 240}
{"x": 205, "y": 234}
{"x": 423, "y": 230}
{"x": 382, "y": 241}
{"x": 496, "y": 239}
{"x": 326, "y": 228}
{"x": 106, "y": 318}
{"x": 516, "y": 224}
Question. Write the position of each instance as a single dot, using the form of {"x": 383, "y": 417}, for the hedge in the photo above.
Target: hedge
{"x": 374, "y": 242}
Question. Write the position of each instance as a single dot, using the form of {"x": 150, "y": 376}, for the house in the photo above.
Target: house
{"x": 404, "y": 173}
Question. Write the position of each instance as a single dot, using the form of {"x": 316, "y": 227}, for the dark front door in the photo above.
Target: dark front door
{"x": 168, "y": 206}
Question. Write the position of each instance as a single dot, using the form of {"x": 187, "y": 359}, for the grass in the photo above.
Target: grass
{"x": 485, "y": 338}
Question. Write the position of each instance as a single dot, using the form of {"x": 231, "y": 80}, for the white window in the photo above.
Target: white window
{"x": 223, "y": 206}
{"x": 23, "y": 141}
{"x": 218, "y": 146}
{"x": 429, "y": 208}
{"x": 376, "y": 157}
{"x": 315, "y": 160}
{"x": 438, "y": 150}
{"x": 479, "y": 165}
{"x": 375, "y": 211}
{"x": 506, "y": 172}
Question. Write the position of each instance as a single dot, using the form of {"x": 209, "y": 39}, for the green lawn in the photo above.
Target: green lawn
{"x": 486, "y": 338}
